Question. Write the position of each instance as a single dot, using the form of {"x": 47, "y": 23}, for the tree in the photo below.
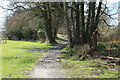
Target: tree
{"x": 81, "y": 23}
{"x": 23, "y": 25}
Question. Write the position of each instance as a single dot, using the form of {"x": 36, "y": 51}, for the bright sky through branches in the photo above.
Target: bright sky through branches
{"x": 4, "y": 3}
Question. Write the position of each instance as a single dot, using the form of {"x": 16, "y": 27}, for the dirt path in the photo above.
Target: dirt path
{"x": 49, "y": 66}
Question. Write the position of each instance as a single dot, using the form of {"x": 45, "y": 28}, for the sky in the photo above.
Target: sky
{"x": 2, "y": 12}
{"x": 4, "y": 3}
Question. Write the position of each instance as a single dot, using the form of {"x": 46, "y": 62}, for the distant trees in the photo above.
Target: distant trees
{"x": 29, "y": 22}
{"x": 23, "y": 25}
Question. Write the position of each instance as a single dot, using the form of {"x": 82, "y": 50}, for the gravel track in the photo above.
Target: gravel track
{"x": 49, "y": 66}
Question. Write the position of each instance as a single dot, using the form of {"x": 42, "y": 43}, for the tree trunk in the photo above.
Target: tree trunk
{"x": 55, "y": 32}
{"x": 92, "y": 24}
{"x": 82, "y": 22}
{"x": 93, "y": 44}
{"x": 94, "y": 29}
{"x": 48, "y": 25}
{"x": 91, "y": 35}
{"x": 76, "y": 28}
{"x": 69, "y": 33}
{"x": 88, "y": 24}
{"x": 77, "y": 37}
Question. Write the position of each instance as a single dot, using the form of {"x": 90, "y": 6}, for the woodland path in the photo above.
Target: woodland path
{"x": 49, "y": 66}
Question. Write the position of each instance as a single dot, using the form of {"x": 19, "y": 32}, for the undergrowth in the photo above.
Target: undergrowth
{"x": 77, "y": 67}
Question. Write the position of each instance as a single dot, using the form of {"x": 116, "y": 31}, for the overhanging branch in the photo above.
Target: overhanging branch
{"x": 105, "y": 22}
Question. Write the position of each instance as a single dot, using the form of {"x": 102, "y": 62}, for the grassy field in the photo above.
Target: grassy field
{"x": 92, "y": 68}
{"x": 18, "y": 58}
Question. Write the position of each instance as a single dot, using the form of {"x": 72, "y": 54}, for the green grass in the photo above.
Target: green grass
{"x": 90, "y": 68}
{"x": 58, "y": 40}
{"x": 16, "y": 62}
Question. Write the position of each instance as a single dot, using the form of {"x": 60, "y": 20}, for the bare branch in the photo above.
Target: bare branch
{"x": 29, "y": 19}
{"x": 17, "y": 7}
{"x": 105, "y": 22}
{"x": 110, "y": 16}
{"x": 104, "y": 9}
{"x": 61, "y": 8}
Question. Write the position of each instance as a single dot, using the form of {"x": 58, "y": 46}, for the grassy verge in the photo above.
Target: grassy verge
{"x": 89, "y": 68}
{"x": 16, "y": 61}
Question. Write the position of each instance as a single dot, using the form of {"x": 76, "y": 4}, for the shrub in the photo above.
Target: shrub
{"x": 41, "y": 35}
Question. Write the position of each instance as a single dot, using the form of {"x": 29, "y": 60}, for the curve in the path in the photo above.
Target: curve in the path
{"x": 49, "y": 66}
